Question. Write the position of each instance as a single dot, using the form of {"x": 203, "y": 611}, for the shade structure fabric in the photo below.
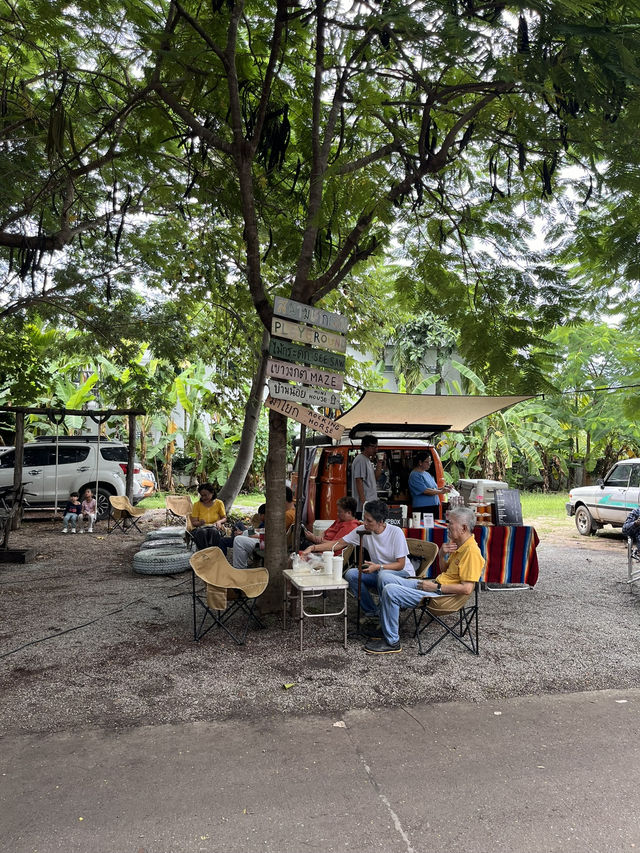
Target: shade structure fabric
{"x": 419, "y": 414}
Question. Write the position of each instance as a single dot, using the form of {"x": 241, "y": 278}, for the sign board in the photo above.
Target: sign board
{"x": 308, "y": 314}
{"x": 308, "y": 335}
{"x": 284, "y": 370}
{"x": 305, "y": 416}
{"x": 304, "y": 394}
{"x": 508, "y": 506}
{"x": 315, "y": 357}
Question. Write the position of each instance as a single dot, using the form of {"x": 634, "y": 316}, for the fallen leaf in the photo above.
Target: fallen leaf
{"x": 340, "y": 725}
{"x": 288, "y": 684}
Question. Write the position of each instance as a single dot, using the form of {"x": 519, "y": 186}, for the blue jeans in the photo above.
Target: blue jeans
{"x": 372, "y": 581}
{"x": 403, "y": 593}
{"x": 70, "y": 517}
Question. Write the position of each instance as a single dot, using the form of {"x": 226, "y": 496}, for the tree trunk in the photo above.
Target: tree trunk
{"x": 275, "y": 542}
{"x": 229, "y": 492}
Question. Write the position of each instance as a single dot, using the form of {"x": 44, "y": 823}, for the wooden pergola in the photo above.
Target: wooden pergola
{"x": 56, "y": 416}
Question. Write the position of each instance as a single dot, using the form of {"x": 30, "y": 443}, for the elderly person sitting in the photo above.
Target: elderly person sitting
{"x": 388, "y": 551}
{"x": 345, "y": 523}
{"x": 461, "y": 565}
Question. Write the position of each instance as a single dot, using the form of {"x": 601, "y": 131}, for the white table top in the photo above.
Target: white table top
{"x": 314, "y": 580}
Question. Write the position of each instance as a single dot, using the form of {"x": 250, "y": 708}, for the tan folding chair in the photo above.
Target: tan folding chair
{"x": 457, "y": 615}
{"x": 123, "y": 515}
{"x": 427, "y": 553}
{"x": 227, "y": 591}
{"x": 178, "y": 508}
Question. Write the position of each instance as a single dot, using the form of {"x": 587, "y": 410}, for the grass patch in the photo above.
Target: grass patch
{"x": 156, "y": 501}
{"x": 536, "y": 504}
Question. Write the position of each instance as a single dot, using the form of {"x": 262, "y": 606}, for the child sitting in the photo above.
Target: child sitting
{"x": 72, "y": 512}
{"x": 89, "y": 510}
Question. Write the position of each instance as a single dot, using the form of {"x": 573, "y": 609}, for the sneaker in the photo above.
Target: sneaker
{"x": 74, "y": 530}
{"x": 382, "y": 647}
{"x": 81, "y": 530}
{"x": 90, "y": 530}
{"x": 64, "y": 529}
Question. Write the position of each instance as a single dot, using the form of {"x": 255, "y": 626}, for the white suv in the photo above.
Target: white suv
{"x": 608, "y": 502}
{"x": 78, "y": 469}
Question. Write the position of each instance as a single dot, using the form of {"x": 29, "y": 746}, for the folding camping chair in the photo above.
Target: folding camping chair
{"x": 178, "y": 508}
{"x": 227, "y": 591}
{"x": 457, "y": 615}
{"x": 426, "y": 551}
{"x": 633, "y": 563}
{"x": 123, "y": 515}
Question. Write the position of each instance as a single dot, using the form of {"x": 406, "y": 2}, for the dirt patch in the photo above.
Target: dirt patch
{"x": 85, "y": 641}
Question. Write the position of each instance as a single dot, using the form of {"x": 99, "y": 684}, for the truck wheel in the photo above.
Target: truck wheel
{"x": 584, "y": 522}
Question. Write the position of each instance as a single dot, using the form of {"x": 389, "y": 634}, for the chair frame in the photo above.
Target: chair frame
{"x": 464, "y": 629}
{"x": 633, "y": 563}
{"x": 125, "y": 512}
{"x": 239, "y": 603}
{"x": 172, "y": 515}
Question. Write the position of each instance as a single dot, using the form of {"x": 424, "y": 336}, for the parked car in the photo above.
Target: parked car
{"x": 609, "y": 501}
{"x": 78, "y": 468}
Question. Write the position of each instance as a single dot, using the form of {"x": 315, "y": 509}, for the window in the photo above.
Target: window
{"x": 635, "y": 476}
{"x": 38, "y": 457}
{"x": 69, "y": 455}
{"x": 619, "y": 476}
{"x": 8, "y": 459}
{"x": 115, "y": 454}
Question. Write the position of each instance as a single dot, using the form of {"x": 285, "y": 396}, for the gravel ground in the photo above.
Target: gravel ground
{"x": 85, "y": 642}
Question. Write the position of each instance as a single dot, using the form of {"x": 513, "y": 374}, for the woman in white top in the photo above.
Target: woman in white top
{"x": 388, "y": 551}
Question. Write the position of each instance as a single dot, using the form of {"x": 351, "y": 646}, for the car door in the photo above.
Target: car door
{"x": 73, "y": 467}
{"x": 35, "y": 462}
{"x": 611, "y": 504}
{"x": 632, "y": 497}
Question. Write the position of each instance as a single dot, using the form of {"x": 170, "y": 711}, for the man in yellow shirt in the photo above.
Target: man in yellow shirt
{"x": 461, "y": 566}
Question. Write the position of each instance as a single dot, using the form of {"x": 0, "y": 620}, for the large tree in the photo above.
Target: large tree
{"x": 324, "y": 129}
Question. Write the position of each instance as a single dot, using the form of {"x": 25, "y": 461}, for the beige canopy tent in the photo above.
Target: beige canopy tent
{"x": 408, "y": 415}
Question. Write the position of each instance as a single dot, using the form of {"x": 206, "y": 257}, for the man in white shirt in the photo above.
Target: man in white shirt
{"x": 388, "y": 551}
{"x": 363, "y": 477}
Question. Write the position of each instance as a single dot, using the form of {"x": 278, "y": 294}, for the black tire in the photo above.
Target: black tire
{"x": 161, "y": 561}
{"x": 584, "y": 522}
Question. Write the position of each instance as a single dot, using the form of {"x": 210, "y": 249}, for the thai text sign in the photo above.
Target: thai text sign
{"x": 304, "y": 394}
{"x": 316, "y": 357}
{"x": 308, "y": 314}
{"x": 298, "y": 373}
{"x": 308, "y": 335}
{"x": 305, "y": 416}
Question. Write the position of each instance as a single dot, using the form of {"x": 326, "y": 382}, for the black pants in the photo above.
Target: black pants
{"x": 206, "y": 537}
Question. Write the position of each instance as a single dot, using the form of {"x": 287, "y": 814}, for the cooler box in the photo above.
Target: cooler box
{"x": 480, "y": 491}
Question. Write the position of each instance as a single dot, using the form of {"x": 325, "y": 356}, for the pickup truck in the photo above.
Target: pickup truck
{"x": 609, "y": 501}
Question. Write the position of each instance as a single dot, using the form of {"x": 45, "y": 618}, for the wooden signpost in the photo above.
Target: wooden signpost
{"x": 304, "y": 394}
{"x": 285, "y": 371}
{"x": 290, "y": 322}
{"x": 314, "y": 357}
{"x": 305, "y": 416}
{"x": 308, "y": 335}
{"x": 308, "y": 314}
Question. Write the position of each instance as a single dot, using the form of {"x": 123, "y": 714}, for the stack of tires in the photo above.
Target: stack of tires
{"x": 163, "y": 552}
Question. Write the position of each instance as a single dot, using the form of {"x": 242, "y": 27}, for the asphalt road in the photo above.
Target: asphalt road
{"x": 536, "y": 773}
